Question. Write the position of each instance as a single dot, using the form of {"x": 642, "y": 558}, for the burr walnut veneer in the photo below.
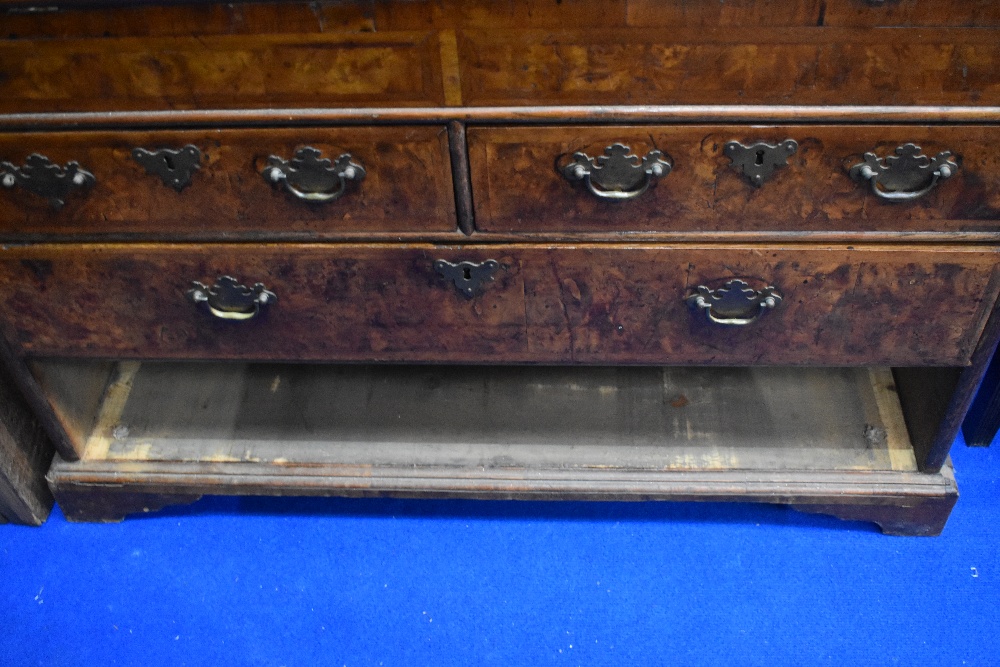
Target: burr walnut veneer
{"x": 590, "y": 249}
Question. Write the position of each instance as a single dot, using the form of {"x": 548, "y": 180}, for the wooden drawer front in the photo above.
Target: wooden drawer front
{"x": 406, "y": 186}
{"x": 346, "y": 302}
{"x": 518, "y": 185}
{"x": 839, "y": 306}
{"x": 565, "y": 304}
{"x": 725, "y": 66}
{"x": 221, "y": 72}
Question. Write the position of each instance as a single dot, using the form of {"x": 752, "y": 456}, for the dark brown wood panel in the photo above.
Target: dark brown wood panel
{"x": 566, "y": 304}
{"x": 142, "y": 20}
{"x": 223, "y": 72}
{"x": 801, "y": 66}
{"x": 729, "y": 13}
{"x": 499, "y": 15}
{"x": 341, "y": 302}
{"x": 407, "y": 187}
{"x": 859, "y": 13}
{"x": 518, "y": 185}
{"x": 966, "y": 13}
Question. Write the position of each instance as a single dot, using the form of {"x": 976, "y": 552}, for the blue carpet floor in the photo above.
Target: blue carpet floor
{"x": 252, "y": 581}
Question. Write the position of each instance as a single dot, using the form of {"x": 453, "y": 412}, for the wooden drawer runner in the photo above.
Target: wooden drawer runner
{"x": 518, "y": 184}
{"x": 563, "y": 304}
{"x": 406, "y": 184}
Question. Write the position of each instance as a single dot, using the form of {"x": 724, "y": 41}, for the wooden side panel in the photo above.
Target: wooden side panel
{"x": 802, "y": 66}
{"x": 25, "y": 454}
{"x": 584, "y": 304}
{"x": 223, "y": 72}
{"x": 518, "y": 184}
{"x": 407, "y": 186}
{"x": 344, "y": 302}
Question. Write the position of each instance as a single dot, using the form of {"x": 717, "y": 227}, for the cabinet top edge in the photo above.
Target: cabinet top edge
{"x": 527, "y": 115}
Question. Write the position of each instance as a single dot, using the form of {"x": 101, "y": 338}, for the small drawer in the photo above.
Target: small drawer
{"x": 176, "y": 184}
{"x": 891, "y": 306}
{"x": 344, "y": 302}
{"x": 800, "y": 181}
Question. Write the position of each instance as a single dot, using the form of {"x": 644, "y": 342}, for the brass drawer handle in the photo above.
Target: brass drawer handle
{"x": 467, "y": 276}
{"x": 227, "y": 299}
{"x": 906, "y": 176}
{"x": 44, "y": 178}
{"x": 735, "y": 303}
{"x": 617, "y": 175}
{"x": 312, "y": 178}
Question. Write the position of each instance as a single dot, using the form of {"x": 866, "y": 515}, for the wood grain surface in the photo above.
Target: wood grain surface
{"x": 595, "y": 304}
{"x": 518, "y": 185}
{"x": 407, "y": 187}
{"x": 827, "y": 66}
{"x": 225, "y": 71}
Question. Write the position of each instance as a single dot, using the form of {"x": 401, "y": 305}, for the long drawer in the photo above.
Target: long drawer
{"x": 724, "y": 305}
{"x": 224, "y": 182}
{"x": 801, "y": 180}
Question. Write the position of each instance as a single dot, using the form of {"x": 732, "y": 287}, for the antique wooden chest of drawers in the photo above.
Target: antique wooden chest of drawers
{"x": 615, "y": 249}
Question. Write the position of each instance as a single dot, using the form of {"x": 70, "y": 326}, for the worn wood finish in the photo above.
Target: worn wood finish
{"x": 408, "y": 185}
{"x": 101, "y": 491}
{"x": 329, "y": 70}
{"x": 339, "y": 302}
{"x": 73, "y": 20}
{"x": 519, "y": 186}
{"x": 472, "y": 416}
{"x": 859, "y": 13}
{"x": 25, "y": 453}
{"x": 823, "y": 66}
{"x": 571, "y": 304}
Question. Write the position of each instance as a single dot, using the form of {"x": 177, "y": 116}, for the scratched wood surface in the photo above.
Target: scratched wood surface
{"x": 567, "y": 304}
{"x": 407, "y": 186}
{"x": 447, "y": 417}
{"x": 25, "y": 454}
{"x": 770, "y": 66}
{"x": 518, "y": 184}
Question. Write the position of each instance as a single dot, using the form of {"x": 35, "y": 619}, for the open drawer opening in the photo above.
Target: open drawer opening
{"x": 464, "y": 421}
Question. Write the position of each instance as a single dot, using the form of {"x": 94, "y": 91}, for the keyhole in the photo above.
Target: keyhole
{"x": 169, "y": 159}
{"x": 759, "y": 161}
{"x": 467, "y": 273}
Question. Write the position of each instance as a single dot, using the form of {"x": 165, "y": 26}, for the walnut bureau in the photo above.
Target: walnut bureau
{"x": 588, "y": 249}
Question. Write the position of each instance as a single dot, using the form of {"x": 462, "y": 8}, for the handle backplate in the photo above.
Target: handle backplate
{"x": 312, "y": 178}
{"x": 42, "y": 177}
{"x": 905, "y": 176}
{"x": 227, "y": 299}
{"x": 617, "y": 175}
{"x": 735, "y": 303}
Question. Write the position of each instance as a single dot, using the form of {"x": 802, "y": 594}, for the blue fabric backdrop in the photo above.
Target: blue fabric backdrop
{"x": 252, "y": 581}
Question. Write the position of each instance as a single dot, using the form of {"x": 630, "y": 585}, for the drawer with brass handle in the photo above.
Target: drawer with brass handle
{"x": 593, "y": 304}
{"x": 736, "y": 179}
{"x": 319, "y": 182}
